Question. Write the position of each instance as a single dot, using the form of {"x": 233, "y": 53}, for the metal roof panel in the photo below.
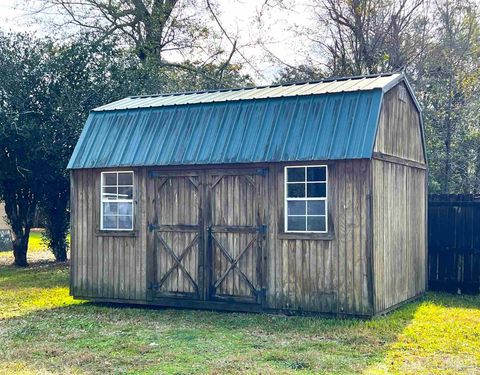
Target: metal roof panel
{"x": 291, "y": 128}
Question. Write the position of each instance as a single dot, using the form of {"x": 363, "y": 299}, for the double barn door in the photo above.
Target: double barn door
{"x": 207, "y": 231}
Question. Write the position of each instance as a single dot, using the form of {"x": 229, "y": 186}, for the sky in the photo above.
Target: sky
{"x": 281, "y": 43}
{"x": 13, "y": 16}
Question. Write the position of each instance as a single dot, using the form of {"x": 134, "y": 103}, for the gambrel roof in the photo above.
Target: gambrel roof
{"x": 324, "y": 120}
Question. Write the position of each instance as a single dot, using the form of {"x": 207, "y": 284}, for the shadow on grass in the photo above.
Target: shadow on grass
{"x": 88, "y": 337}
{"x": 44, "y": 274}
{"x": 450, "y": 300}
{"x": 115, "y": 338}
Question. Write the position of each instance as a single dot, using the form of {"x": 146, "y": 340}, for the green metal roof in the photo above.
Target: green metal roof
{"x": 271, "y": 124}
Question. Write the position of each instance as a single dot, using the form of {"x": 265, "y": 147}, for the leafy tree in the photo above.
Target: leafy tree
{"x": 79, "y": 78}
{"x": 448, "y": 82}
{"x": 22, "y": 82}
{"x": 83, "y": 75}
{"x": 43, "y": 110}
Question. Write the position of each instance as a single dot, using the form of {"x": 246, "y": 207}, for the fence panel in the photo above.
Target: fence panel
{"x": 454, "y": 243}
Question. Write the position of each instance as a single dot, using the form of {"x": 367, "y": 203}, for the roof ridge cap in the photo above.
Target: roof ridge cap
{"x": 324, "y": 80}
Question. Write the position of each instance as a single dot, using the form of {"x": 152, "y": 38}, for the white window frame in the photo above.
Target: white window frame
{"x": 287, "y": 199}
{"x": 117, "y": 201}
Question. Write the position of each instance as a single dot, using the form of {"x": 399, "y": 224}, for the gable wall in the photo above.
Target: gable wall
{"x": 399, "y": 131}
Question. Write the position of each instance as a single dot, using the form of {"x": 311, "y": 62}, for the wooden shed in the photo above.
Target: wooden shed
{"x": 300, "y": 198}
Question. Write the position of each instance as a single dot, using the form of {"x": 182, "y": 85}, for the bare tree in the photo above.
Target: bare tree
{"x": 367, "y": 36}
{"x": 151, "y": 26}
{"x": 176, "y": 34}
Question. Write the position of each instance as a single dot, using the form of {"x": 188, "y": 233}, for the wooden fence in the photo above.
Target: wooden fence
{"x": 454, "y": 243}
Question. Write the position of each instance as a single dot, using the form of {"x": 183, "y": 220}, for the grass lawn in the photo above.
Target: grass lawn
{"x": 43, "y": 330}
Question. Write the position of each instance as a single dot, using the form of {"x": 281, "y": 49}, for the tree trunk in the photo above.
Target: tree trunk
{"x": 20, "y": 204}
{"x": 20, "y": 247}
{"x": 154, "y": 22}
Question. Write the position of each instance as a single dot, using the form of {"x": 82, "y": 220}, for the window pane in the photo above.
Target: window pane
{"x": 316, "y": 223}
{"x": 125, "y": 178}
{"x": 317, "y": 190}
{"x": 110, "y": 208}
{"x": 316, "y": 174}
{"x": 109, "y": 222}
{"x": 316, "y": 208}
{"x": 296, "y": 223}
{"x": 124, "y": 208}
{"x": 296, "y": 190}
{"x": 110, "y": 178}
{"x": 110, "y": 193}
{"x": 296, "y": 174}
{"x": 296, "y": 208}
{"x": 125, "y": 193}
{"x": 125, "y": 222}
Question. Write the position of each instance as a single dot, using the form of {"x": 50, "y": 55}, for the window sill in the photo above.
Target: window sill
{"x": 307, "y": 236}
{"x": 116, "y": 233}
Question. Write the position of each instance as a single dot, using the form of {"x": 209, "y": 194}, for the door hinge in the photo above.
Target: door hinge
{"x": 152, "y": 227}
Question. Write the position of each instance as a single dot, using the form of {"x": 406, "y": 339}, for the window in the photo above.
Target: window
{"x": 117, "y": 201}
{"x": 306, "y": 199}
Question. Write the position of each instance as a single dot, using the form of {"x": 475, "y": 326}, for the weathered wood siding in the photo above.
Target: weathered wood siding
{"x": 108, "y": 266}
{"x": 399, "y": 230}
{"x": 300, "y": 272}
{"x": 399, "y": 131}
{"x": 329, "y": 275}
{"x": 399, "y": 202}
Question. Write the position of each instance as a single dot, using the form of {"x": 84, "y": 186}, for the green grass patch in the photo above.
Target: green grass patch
{"x": 43, "y": 330}
{"x": 35, "y": 242}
